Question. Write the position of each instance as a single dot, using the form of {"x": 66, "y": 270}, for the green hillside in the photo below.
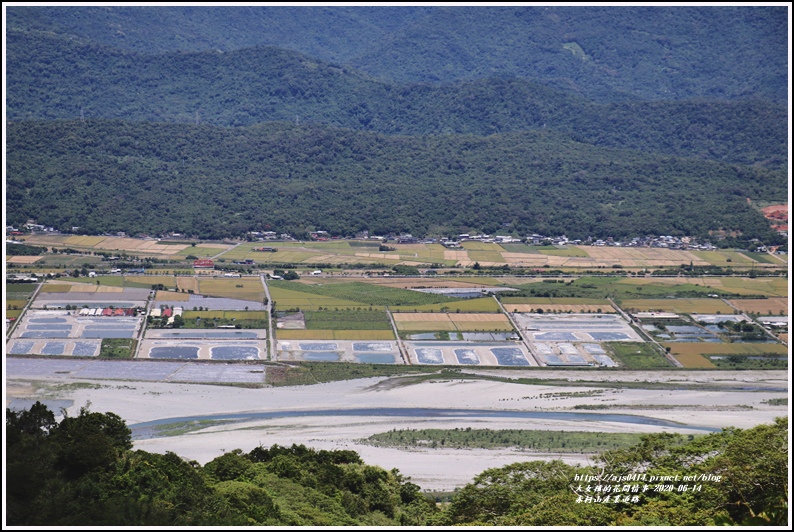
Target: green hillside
{"x": 604, "y": 53}
{"x": 213, "y": 182}
{"x": 56, "y": 77}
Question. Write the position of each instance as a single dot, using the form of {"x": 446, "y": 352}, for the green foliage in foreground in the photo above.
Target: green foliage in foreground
{"x": 82, "y": 472}
{"x": 557, "y": 441}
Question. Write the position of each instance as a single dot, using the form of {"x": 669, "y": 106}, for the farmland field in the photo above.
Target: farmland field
{"x": 15, "y": 304}
{"x": 287, "y": 334}
{"x": 763, "y": 257}
{"x": 365, "y": 293}
{"x": 146, "y": 281}
{"x": 568, "y": 251}
{"x": 165, "y": 295}
{"x": 724, "y": 258}
{"x": 347, "y": 320}
{"x": 681, "y": 348}
{"x": 774, "y": 306}
{"x": 201, "y": 251}
{"x": 56, "y": 287}
{"x": 23, "y": 259}
{"x": 287, "y": 299}
{"x": 187, "y": 283}
{"x": 637, "y": 355}
{"x": 17, "y": 289}
{"x": 410, "y": 321}
{"x": 692, "y": 360}
{"x": 249, "y": 289}
{"x": 684, "y": 306}
{"x": 480, "y": 304}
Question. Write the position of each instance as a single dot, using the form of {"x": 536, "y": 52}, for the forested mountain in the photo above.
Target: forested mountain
{"x": 603, "y": 53}
{"x": 81, "y": 471}
{"x": 212, "y": 121}
{"x": 56, "y": 77}
{"x": 213, "y": 182}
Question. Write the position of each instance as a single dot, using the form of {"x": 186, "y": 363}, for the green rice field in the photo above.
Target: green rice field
{"x": 365, "y": 293}
{"x": 347, "y": 320}
{"x": 572, "y": 251}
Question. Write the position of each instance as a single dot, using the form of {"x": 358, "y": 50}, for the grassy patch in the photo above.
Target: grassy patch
{"x": 347, "y": 320}
{"x": 634, "y": 355}
{"x": 300, "y": 373}
{"x": 780, "y": 401}
{"x": 749, "y": 362}
{"x": 117, "y": 348}
{"x": 529, "y": 440}
{"x": 208, "y": 319}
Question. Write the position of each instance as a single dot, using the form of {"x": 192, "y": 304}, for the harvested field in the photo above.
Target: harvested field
{"x": 426, "y": 326}
{"x": 82, "y": 288}
{"x": 463, "y": 318}
{"x": 682, "y": 306}
{"x": 694, "y": 361}
{"x": 55, "y": 286}
{"x": 187, "y": 283}
{"x": 643, "y": 257}
{"x": 775, "y": 306}
{"x": 24, "y": 259}
{"x": 164, "y": 295}
{"x": 106, "y": 288}
{"x": 417, "y": 316}
{"x": 236, "y": 288}
{"x": 681, "y": 348}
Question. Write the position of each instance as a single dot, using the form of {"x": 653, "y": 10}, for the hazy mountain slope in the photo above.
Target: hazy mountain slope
{"x": 214, "y": 182}
{"x": 56, "y": 77}
{"x": 603, "y": 53}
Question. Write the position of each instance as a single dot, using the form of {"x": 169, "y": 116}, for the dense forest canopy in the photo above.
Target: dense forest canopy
{"x": 433, "y": 120}
{"x": 604, "y": 53}
{"x": 56, "y": 77}
{"x": 216, "y": 182}
{"x": 83, "y": 471}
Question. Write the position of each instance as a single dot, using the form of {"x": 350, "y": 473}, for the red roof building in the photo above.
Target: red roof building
{"x": 203, "y": 263}
{"x": 167, "y": 312}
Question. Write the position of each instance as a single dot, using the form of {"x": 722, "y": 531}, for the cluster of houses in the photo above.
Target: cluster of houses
{"x": 113, "y": 312}
{"x": 168, "y": 313}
